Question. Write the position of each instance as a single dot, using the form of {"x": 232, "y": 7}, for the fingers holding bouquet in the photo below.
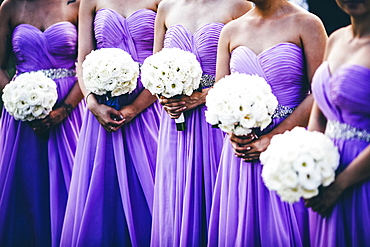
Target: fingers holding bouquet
{"x": 173, "y": 74}
{"x": 238, "y": 104}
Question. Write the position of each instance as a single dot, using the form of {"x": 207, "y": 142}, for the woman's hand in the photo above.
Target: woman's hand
{"x": 55, "y": 117}
{"x": 42, "y": 126}
{"x": 108, "y": 117}
{"x": 249, "y": 147}
{"x": 177, "y": 105}
{"x": 128, "y": 113}
{"x": 325, "y": 200}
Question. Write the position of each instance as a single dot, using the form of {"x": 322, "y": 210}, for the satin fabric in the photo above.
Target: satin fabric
{"x": 244, "y": 211}
{"x": 35, "y": 173}
{"x": 111, "y": 192}
{"x": 187, "y": 160}
{"x": 344, "y": 97}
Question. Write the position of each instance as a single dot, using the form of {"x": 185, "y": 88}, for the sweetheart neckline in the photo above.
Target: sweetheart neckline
{"x": 342, "y": 67}
{"x": 129, "y": 16}
{"x": 46, "y": 29}
{"x": 196, "y": 31}
{"x": 267, "y": 49}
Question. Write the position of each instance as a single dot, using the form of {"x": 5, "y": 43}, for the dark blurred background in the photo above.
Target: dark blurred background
{"x": 329, "y": 12}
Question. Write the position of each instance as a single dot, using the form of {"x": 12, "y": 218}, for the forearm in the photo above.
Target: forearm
{"x": 74, "y": 96}
{"x": 317, "y": 120}
{"x": 299, "y": 117}
{"x": 4, "y": 79}
{"x": 202, "y": 96}
{"x": 143, "y": 101}
{"x": 356, "y": 172}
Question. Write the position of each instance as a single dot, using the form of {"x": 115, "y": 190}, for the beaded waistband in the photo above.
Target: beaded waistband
{"x": 282, "y": 111}
{"x": 207, "y": 81}
{"x": 337, "y": 130}
{"x": 58, "y": 73}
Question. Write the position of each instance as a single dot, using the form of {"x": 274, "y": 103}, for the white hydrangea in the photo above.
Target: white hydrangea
{"x": 171, "y": 72}
{"x": 110, "y": 70}
{"x": 30, "y": 96}
{"x": 239, "y": 102}
{"x": 298, "y": 162}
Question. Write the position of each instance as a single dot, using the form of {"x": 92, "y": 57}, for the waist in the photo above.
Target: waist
{"x": 282, "y": 111}
{"x": 337, "y": 130}
{"x": 57, "y": 73}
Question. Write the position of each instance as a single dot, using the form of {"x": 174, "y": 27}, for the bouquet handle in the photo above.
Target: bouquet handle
{"x": 180, "y": 123}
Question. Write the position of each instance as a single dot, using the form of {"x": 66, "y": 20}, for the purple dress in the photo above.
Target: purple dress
{"x": 244, "y": 211}
{"x": 35, "y": 173}
{"x": 187, "y": 160}
{"x": 344, "y": 98}
{"x": 111, "y": 194}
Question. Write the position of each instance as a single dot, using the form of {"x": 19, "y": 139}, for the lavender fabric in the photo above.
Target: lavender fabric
{"x": 35, "y": 173}
{"x": 344, "y": 97}
{"x": 187, "y": 160}
{"x": 111, "y": 194}
{"x": 244, "y": 211}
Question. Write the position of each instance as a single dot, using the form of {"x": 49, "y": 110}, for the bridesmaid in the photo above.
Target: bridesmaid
{"x": 284, "y": 44}
{"x": 340, "y": 215}
{"x": 36, "y": 158}
{"x": 112, "y": 186}
{"x": 187, "y": 160}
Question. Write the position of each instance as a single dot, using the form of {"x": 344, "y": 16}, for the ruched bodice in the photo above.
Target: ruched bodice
{"x": 282, "y": 66}
{"x": 56, "y": 47}
{"x": 202, "y": 43}
{"x": 134, "y": 34}
{"x": 331, "y": 94}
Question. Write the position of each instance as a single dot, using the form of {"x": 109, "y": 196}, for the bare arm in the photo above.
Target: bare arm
{"x": 5, "y": 43}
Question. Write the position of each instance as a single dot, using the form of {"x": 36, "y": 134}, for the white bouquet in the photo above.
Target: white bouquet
{"x": 298, "y": 162}
{"x": 171, "y": 72}
{"x": 30, "y": 96}
{"x": 239, "y": 102}
{"x": 111, "y": 72}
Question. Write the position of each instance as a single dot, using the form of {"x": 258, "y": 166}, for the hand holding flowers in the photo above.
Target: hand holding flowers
{"x": 298, "y": 162}
{"x": 239, "y": 102}
{"x": 170, "y": 73}
{"x": 110, "y": 72}
{"x": 30, "y": 96}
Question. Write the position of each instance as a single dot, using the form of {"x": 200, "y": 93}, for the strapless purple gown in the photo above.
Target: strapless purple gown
{"x": 187, "y": 160}
{"x": 111, "y": 194}
{"x": 35, "y": 173}
{"x": 244, "y": 211}
{"x": 344, "y": 98}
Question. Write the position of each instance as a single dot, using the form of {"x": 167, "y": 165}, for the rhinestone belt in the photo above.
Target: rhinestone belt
{"x": 282, "y": 111}
{"x": 337, "y": 130}
{"x": 58, "y": 73}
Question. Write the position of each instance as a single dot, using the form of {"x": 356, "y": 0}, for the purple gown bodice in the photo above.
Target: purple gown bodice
{"x": 344, "y": 99}
{"x": 343, "y": 96}
{"x": 282, "y": 67}
{"x": 134, "y": 34}
{"x": 53, "y": 48}
{"x": 202, "y": 43}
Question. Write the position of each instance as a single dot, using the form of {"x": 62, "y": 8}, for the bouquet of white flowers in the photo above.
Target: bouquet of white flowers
{"x": 239, "y": 102}
{"x": 110, "y": 72}
{"x": 30, "y": 96}
{"x": 298, "y": 162}
{"x": 171, "y": 72}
